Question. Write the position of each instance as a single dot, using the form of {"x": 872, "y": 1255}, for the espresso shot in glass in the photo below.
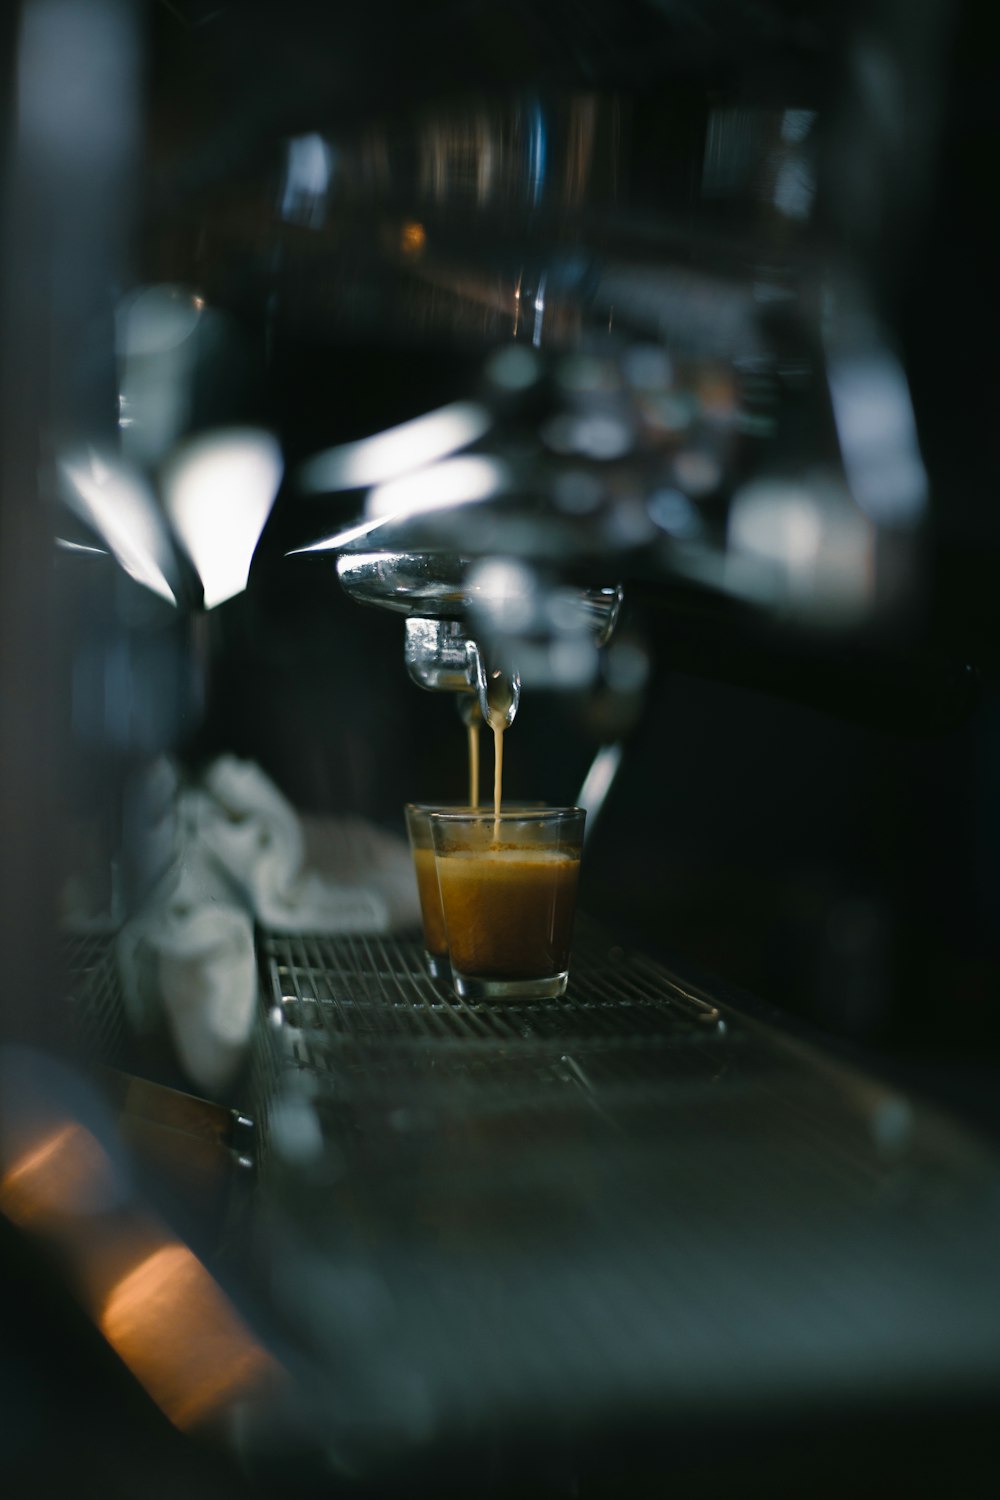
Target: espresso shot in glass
{"x": 418, "y": 827}
{"x": 508, "y": 894}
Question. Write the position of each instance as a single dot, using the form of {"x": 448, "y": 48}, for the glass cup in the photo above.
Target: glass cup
{"x": 418, "y": 826}
{"x": 508, "y": 895}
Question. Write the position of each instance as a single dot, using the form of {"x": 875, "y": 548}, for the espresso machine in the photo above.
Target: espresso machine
{"x": 593, "y": 368}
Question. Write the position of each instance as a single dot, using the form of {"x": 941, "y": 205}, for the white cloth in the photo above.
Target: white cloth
{"x": 232, "y": 850}
{"x": 188, "y": 958}
{"x": 255, "y": 836}
{"x": 343, "y": 847}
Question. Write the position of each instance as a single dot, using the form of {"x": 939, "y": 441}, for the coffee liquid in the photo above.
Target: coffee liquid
{"x": 510, "y": 916}
{"x": 435, "y": 939}
{"x": 497, "y": 778}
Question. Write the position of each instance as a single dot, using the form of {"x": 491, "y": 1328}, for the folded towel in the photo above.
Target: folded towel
{"x": 226, "y": 852}
{"x": 343, "y": 848}
{"x": 255, "y": 836}
{"x": 188, "y": 958}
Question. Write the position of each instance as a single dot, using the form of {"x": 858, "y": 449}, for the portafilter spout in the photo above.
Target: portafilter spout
{"x": 443, "y": 597}
{"x": 441, "y": 656}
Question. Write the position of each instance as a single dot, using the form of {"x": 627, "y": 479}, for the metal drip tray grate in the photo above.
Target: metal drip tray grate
{"x": 632, "y": 1195}
{"x": 365, "y": 1011}
{"x": 333, "y": 989}
{"x": 488, "y": 1220}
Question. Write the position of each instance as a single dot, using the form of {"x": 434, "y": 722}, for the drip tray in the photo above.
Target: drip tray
{"x": 634, "y": 1198}
{"x": 528, "y": 1228}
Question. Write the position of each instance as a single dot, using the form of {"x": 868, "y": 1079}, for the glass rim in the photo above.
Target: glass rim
{"x": 522, "y": 815}
{"x": 453, "y": 805}
{"x": 452, "y": 809}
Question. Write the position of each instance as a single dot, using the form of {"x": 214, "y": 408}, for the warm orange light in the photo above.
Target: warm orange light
{"x": 67, "y": 1173}
{"x": 413, "y": 238}
{"x": 181, "y": 1337}
{"x": 153, "y": 1300}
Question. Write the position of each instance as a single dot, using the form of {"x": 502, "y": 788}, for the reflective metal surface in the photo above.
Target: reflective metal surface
{"x": 574, "y": 1232}
{"x": 502, "y": 306}
{"x": 637, "y": 1191}
{"x": 638, "y": 249}
{"x": 445, "y": 597}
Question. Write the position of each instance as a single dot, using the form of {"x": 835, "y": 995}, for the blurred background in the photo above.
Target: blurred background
{"x": 699, "y": 296}
{"x": 823, "y": 796}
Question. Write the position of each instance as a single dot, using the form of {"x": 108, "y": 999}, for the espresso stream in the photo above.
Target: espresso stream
{"x": 473, "y": 735}
{"x": 497, "y": 778}
{"x": 498, "y": 699}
